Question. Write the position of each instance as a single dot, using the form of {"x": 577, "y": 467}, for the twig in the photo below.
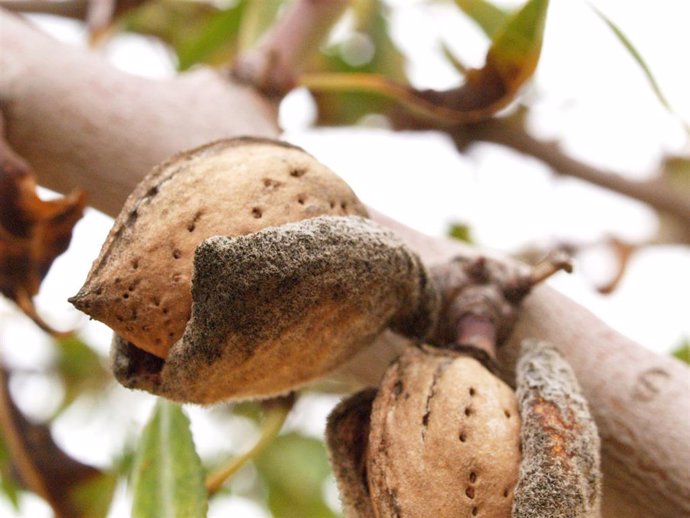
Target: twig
{"x": 277, "y": 411}
{"x": 274, "y": 64}
{"x": 69, "y": 8}
{"x": 511, "y": 132}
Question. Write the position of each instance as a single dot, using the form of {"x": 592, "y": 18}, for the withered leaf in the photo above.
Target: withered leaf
{"x": 33, "y": 232}
{"x": 72, "y": 489}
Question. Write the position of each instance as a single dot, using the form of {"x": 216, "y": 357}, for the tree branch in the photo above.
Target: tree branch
{"x": 76, "y": 9}
{"x": 78, "y": 122}
{"x": 510, "y": 132}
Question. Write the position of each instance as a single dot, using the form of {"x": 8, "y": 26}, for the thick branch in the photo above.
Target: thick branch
{"x": 80, "y": 123}
{"x": 510, "y": 132}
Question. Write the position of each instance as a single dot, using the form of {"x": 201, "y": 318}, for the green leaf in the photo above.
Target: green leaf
{"x": 516, "y": 47}
{"x": 80, "y": 368}
{"x": 168, "y": 478}
{"x": 682, "y": 352}
{"x": 93, "y": 496}
{"x": 485, "y": 14}
{"x": 8, "y": 483}
{"x": 216, "y": 43}
{"x": 453, "y": 60}
{"x": 461, "y": 232}
{"x": 198, "y": 32}
{"x": 295, "y": 469}
{"x": 625, "y": 41}
{"x": 257, "y": 18}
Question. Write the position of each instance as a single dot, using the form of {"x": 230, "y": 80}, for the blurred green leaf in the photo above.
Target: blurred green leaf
{"x": 510, "y": 61}
{"x": 168, "y": 479}
{"x": 216, "y": 44}
{"x": 368, "y": 48}
{"x": 8, "y": 483}
{"x": 198, "y": 32}
{"x": 461, "y": 232}
{"x": 80, "y": 368}
{"x": 516, "y": 47}
{"x": 489, "y": 17}
{"x": 295, "y": 469}
{"x": 625, "y": 41}
{"x": 682, "y": 352}
{"x": 93, "y": 496}
{"x": 258, "y": 17}
{"x": 453, "y": 60}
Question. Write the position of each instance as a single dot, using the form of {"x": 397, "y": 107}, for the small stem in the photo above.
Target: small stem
{"x": 556, "y": 262}
{"x": 25, "y": 303}
{"x": 275, "y": 412}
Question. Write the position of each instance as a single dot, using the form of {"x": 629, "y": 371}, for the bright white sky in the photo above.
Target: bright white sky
{"x": 593, "y": 98}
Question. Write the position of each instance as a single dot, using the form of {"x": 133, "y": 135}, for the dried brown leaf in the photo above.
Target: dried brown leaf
{"x": 33, "y": 232}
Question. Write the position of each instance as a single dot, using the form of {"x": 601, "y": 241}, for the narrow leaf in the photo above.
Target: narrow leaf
{"x": 625, "y": 41}
{"x": 168, "y": 480}
{"x": 485, "y": 14}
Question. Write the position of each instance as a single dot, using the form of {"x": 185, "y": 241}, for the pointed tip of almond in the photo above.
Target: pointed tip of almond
{"x": 83, "y": 300}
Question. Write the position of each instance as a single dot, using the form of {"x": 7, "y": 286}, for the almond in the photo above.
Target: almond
{"x": 140, "y": 285}
{"x": 284, "y": 306}
{"x": 444, "y": 439}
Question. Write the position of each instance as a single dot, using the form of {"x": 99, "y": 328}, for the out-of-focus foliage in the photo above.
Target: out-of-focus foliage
{"x": 197, "y": 32}
{"x": 168, "y": 478}
{"x": 71, "y": 488}
{"x": 486, "y": 14}
{"x": 368, "y": 48}
{"x": 682, "y": 352}
{"x": 80, "y": 369}
{"x": 461, "y": 232}
{"x": 295, "y": 470}
{"x": 8, "y": 484}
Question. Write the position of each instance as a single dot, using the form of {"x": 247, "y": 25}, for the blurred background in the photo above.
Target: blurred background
{"x": 588, "y": 93}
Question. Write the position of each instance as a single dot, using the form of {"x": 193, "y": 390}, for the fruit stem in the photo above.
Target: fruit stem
{"x": 477, "y": 331}
{"x": 275, "y": 412}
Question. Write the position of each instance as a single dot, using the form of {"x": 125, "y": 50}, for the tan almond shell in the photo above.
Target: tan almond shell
{"x": 444, "y": 440}
{"x": 140, "y": 285}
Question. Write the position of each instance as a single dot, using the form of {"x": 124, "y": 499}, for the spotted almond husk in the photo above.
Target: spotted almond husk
{"x": 140, "y": 285}
{"x": 443, "y": 440}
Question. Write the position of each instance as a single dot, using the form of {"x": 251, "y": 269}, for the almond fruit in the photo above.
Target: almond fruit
{"x": 444, "y": 439}
{"x": 140, "y": 285}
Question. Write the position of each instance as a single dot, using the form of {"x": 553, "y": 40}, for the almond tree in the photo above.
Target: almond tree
{"x": 72, "y": 122}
